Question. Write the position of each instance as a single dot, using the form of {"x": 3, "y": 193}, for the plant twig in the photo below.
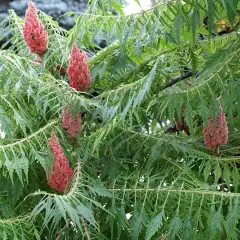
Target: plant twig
{"x": 26, "y": 139}
{"x": 71, "y": 192}
{"x": 85, "y": 228}
{"x": 177, "y": 79}
{"x": 76, "y": 180}
{"x": 64, "y": 228}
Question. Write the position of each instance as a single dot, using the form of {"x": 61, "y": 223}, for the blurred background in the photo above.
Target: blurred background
{"x": 57, "y": 8}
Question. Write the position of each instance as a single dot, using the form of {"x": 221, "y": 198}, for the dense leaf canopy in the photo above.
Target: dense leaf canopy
{"x": 135, "y": 175}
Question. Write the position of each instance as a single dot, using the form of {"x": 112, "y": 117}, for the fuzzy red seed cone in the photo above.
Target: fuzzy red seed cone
{"x": 182, "y": 125}
{"x": 61, "y": 173}
{"x": 66, "y": 116}
{"x": 34, "y": 32}
{"x": 61, "y": 69}
{"x": 178, "y": 124}
{"x": 215, "y": 137}
{"x": 71, "y": 122}
{"x": 78, "y": 71}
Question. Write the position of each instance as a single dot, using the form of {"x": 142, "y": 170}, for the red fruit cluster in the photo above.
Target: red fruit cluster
{"x": 218, "y": 135}
{"x": 78, "y": 71}
{"x": 72, "y": 123}
{"x": 182, "y": 125}
{"x": 34, "y": 33}
{"x": 61, "y": 173}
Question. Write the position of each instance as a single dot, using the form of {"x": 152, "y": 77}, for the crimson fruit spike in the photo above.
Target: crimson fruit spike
{"x": 34, "y": 32}
{"x": 182, "y": 125}
{"x": 78, "y": 71}
{"x": 215, "y": 137}
{"x": 61, "y": 174}
{"x": 72, "y": 123}
{"x": 61, "y": 69}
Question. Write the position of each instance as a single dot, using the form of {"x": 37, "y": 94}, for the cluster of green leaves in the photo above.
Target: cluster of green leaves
{"x": 133, "y": 179}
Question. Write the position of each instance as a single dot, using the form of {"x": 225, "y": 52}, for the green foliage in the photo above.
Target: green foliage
{"x": 134, "y": 179}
